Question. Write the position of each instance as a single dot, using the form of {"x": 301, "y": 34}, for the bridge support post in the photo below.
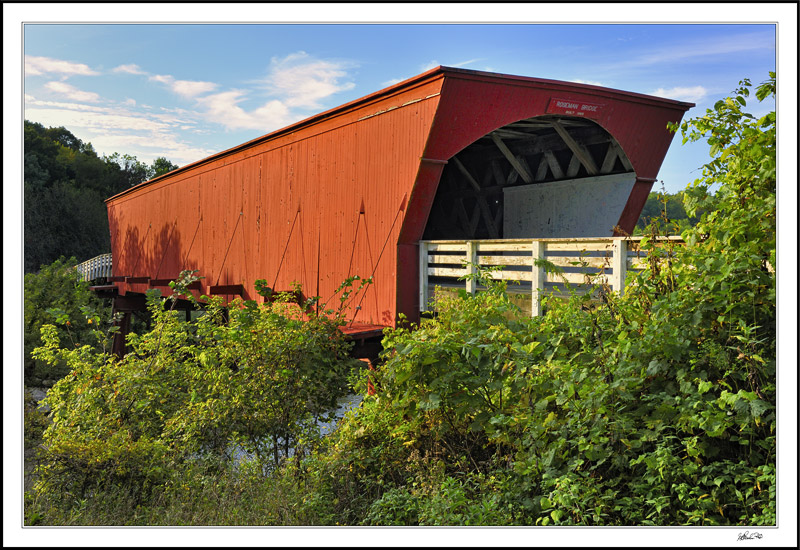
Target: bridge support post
{"x": 124, "y": 306}
{"x": 124, "y": 324}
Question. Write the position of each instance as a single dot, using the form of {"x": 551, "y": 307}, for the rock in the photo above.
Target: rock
{"x": 38, "y": 393}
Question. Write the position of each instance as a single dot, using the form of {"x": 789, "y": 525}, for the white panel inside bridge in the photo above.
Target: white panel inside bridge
{"x": 586, "y": 207}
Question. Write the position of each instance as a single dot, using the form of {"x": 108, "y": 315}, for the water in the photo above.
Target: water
{"x": 346, "y": 403}
{"x": 343, "y": 405}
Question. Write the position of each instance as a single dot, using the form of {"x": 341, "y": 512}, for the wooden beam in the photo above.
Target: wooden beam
{"x": 512, "y": 178}
{"x": 461, "y": 213}
{"x": 538, "y": 278}
{"x": 524, "y": 163}
{"x": 542, "y": 171}
{"x": 423, "y": 276}
{"x": 488, "y": 218}
{"x": 490, "y": 191}
{"x": 227, "y": 289}
{"x": 476, "y": 217}
{"x": 619, "y": 265}
{"x": 552, "y": 142}
{"x": 468, "y": 224}
{"x": 506, "y": 132}
{"x": 472, "y": 262}
{"x": 466, "y": 173}
{"x": 540, "y": 123}
{"x": 622, "y": 156}
{"x": 610, "y": 159}
{"x": 498, "y": 217}
{"x": 165, "y": 282}
{"x": 498, "y": 174}
{"x": 512, "y": 159}
{"x": 576, "y": 148}
{"x": 555, "y": 168}
{"x": 574, "y": 166}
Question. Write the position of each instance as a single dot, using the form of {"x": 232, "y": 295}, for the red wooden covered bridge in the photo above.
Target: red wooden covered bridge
{"x": 450, "y": 154}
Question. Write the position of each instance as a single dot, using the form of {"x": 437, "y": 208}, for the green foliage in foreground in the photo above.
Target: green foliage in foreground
{"x": 56, "y": 290}
{"x": 189, "y": 396}
{"x": 666, "y": 213}
{"x": 652, "y": 408}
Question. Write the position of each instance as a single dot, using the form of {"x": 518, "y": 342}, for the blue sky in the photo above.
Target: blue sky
{"x": 186, "y": 91}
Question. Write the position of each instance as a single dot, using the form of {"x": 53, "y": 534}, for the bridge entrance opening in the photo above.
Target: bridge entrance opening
{"x": 546, "y": 176}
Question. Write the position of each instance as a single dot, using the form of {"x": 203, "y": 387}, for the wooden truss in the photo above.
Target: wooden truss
{"x": 530, "y": 151}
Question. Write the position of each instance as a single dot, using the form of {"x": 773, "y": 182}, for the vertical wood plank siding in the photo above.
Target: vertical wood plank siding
{"x": 348, "y": 192}
{"x": 287, "y": 209}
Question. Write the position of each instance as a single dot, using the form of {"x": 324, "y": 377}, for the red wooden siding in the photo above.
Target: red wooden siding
{"x": 474, "y": 104}
{"x": 348, "y": 192}
{"x": 315, "y": 206}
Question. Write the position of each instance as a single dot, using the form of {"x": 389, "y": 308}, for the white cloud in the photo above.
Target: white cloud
{"x": 44, "y": 65}
{"x": 177, "y": 116}
{"x": 299, "y": 80}
{"x": 391, "y": 82}
{"x": 31, "y": 101}
{"x": 222, "y": 108}
{"x": 93, "y": 120}
{"x": 115, "y": 129}
{"x": 72, "y": 92}
{"x": 185, "y": 88}
{"x": 294, "y": 83}
{"x": 129, "y": 69}
{"x": 192, "y": 88}
{"x": 148, "y": 147}
{"x": 682, "y": 93}
{"x": 163, "y": 78}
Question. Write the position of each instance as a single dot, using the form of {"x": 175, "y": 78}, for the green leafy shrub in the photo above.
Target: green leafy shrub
{"x": 652, "y": 408}
{"x": 54, "y": 291}
{"x": 35, "y": 421}
{"x": 207, "y": 394}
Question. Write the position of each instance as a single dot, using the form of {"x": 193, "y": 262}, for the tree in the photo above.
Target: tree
{"x": 65, "y": 185}
{"x": 161, "y": 166}
{"x": 129, "y": 171}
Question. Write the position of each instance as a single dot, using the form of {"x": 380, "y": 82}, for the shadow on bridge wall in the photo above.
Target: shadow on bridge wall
{"x": 159, "y": 254}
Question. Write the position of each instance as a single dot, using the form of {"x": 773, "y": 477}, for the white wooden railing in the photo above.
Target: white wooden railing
{"x": 585, "y": 263}
{"x": 96, "y": 268}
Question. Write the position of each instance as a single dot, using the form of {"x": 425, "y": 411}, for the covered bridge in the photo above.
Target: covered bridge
{"x": 447, "y": 154}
